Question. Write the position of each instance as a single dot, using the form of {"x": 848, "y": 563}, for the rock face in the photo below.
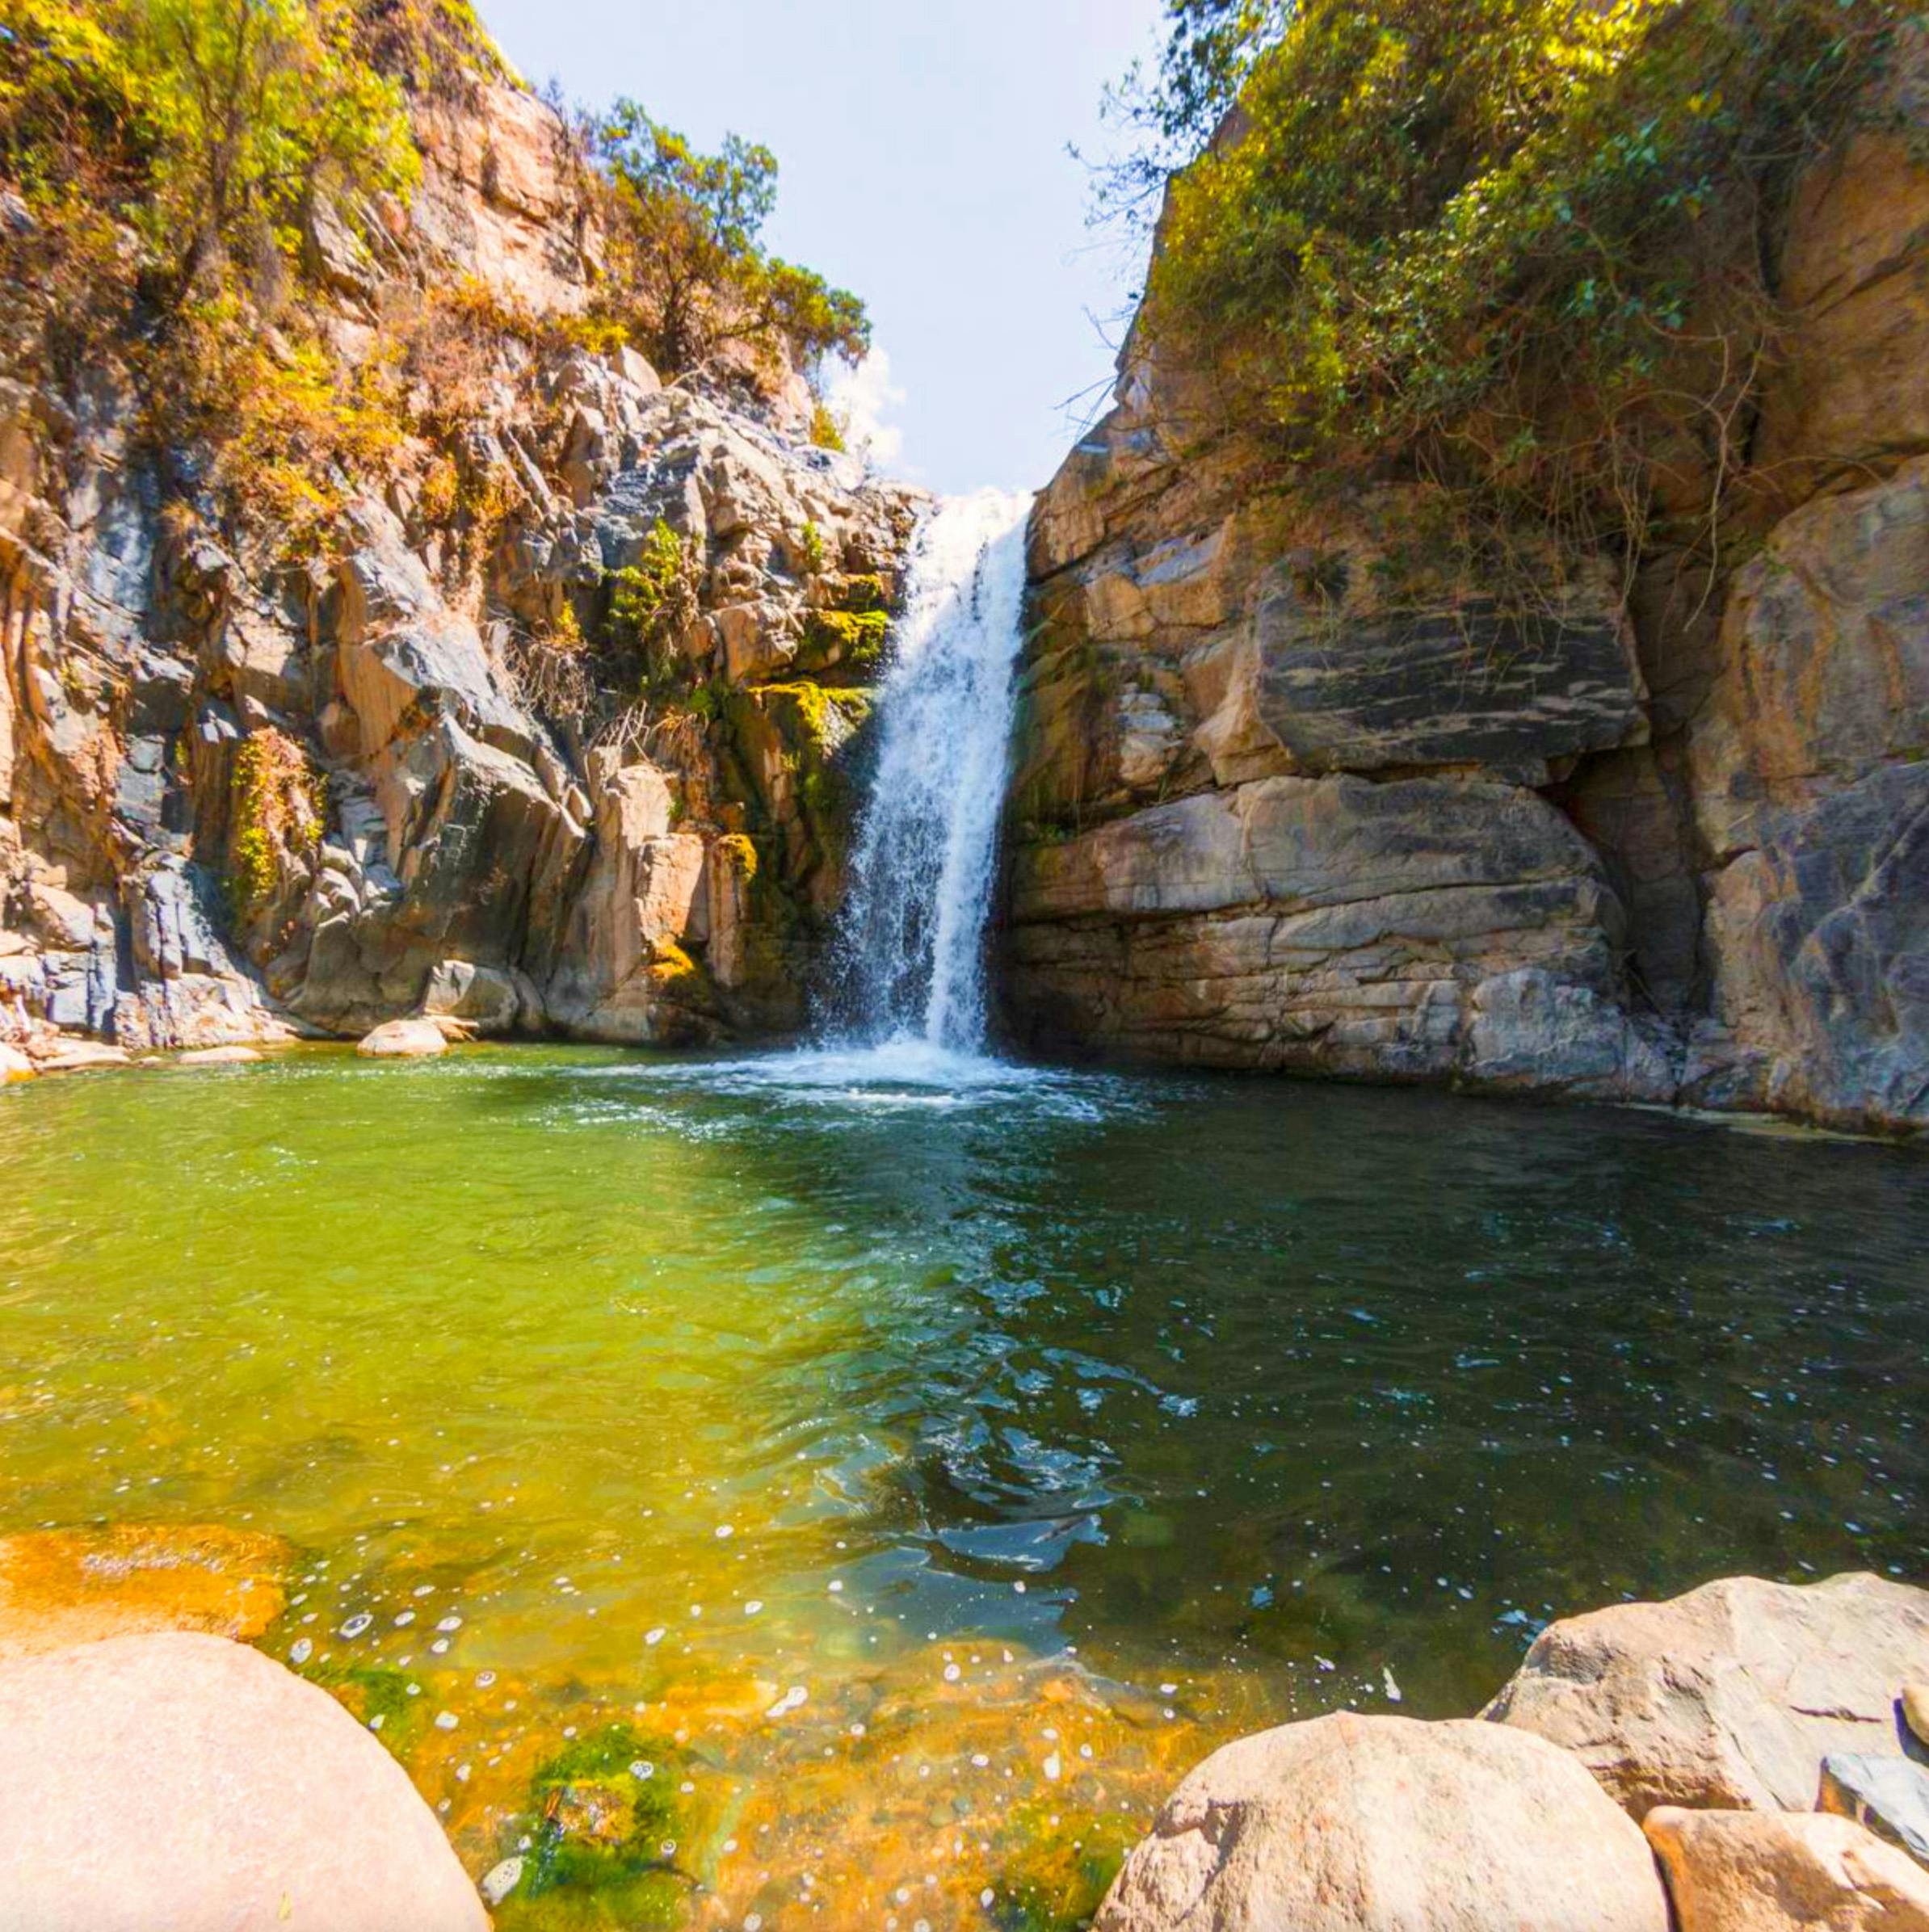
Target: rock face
{"x": 1769, "y": 1871}
{"x": 62, "y": 1587}
{"x": 183, "y": 1781}
{"x": 1729, "y": 1697}
{"x": 1385, "y": 1825}
{"x": 447, "y": 830}
{"x": 1293, "y": 790}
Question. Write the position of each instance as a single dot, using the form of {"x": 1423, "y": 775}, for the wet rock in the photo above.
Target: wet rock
{"x": 1890, "y": 1795}
{"x": 1778, "y": 1871}
{"x": 1347, "y": 1824}
{"x": 403, "y": 1039}
{"x": 62, "y": 1587}
{"x": 1727, "y": 1698}
{"x": 182, "y": 1781}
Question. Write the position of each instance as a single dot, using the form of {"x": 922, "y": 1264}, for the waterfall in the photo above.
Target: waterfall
{"x": 911, "y": 942}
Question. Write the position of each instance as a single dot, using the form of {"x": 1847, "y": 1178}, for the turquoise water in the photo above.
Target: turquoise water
{"x": 1174, "y": 1404}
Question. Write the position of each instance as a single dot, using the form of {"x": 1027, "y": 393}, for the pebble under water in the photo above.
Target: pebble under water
{"x": 816, "y": 1489}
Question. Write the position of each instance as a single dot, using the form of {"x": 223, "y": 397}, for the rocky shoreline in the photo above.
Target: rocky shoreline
{"x": 1751, "y": 1757}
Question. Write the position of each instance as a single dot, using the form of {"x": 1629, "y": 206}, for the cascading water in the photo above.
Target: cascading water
{"x": 911, "y": 941}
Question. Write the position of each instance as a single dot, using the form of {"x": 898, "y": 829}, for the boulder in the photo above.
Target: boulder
{"x": 219, "y": 1056}
{"x": 14, "y": 1065}
{"x": 66, "y": 1055}
{"x": 1915, "y": 1710}
{"x": 403, "y": 1039}
{"x": 1890, "y": 1795}
{"x": 180, "y": 1780}
{"x": 62, "y": 1587}
{"x": 1351, "y": 1823}
{"x": 1780, "y": 1871}
{"x": 1727, "y": 1698}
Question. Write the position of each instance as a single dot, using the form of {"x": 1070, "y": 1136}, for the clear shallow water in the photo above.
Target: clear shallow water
{"x": 1262, "y": 1392}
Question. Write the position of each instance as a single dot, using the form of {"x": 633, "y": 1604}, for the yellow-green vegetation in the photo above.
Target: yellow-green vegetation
{"x": 277, "y": 806}
{"x": 738, "y": 852}
{"x": 1517, "y": 247}
{"x": 688, "y": 274}
{"x": 811, "y": 545}
{"x": 827, "y": 427}
{"x": 612, "y": 1846}
{"x": 1059, "y": 1864}
{"x": 852, "y": 641}
{"x": 652, "y": 600}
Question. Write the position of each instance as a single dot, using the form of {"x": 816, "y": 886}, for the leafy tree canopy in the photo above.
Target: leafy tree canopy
{"x": 689, "y": 266}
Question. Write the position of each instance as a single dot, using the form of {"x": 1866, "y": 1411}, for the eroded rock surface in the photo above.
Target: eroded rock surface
{"x": 1353, "y": 1824}
{"x": 450, "y": 830}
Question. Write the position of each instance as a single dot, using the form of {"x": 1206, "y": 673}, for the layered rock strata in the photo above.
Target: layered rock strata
{"x": 1295, "y": 789}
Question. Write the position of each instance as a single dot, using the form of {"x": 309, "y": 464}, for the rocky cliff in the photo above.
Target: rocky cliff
{"x": 249, "y": 788}
{"x": 1294, "y": 790}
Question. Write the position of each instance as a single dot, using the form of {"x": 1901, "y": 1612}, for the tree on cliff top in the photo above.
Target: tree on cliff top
{"x": 1519, "y": 248}
{"x": 688, "y": 272}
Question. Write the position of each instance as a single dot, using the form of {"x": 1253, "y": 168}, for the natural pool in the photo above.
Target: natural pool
{"x": 861, "y": 1500}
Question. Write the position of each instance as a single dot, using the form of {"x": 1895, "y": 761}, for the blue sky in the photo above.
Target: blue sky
{"x": 922, "y": 145}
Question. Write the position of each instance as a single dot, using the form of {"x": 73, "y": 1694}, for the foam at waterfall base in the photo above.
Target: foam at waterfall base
{"x": 905, "y": 1072}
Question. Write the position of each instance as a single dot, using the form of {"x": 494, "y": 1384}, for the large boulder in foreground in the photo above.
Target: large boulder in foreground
{"x": 1780, "y": 1871}
{"x": 1352, "y": 1824}
{"x": 62, "y": 1587}
{"x": 1729, "y": 1697}
{"x": 182, "y": 1781}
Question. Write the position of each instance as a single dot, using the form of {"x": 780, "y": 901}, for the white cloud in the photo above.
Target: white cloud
{"x": 863, "y": 398}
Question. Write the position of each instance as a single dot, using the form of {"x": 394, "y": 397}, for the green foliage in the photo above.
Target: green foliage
{"x": 653, "y": 598}
{"x": 250, "y": 107}
{"x": 277, "y": 805}
{"x": 1477, "y": 241}
{"x": 1171, "y": 112}
{"x": 811, "y": 544}
{"x": 853, "y": 640}
{"x": 687, "y": 269}
{"x": 608, "y": 1848}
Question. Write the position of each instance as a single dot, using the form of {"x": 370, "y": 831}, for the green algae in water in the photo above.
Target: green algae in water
{"x": 1153, "y": 1409}
{"x": 613, "y": 1847}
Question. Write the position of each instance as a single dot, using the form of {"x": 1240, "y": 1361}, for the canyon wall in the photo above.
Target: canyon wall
{"x": 247, "y": 792}
{"x": 1294, "y": 790}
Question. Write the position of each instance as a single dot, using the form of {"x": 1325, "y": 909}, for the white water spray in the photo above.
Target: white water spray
{"x": 913, "y": 932}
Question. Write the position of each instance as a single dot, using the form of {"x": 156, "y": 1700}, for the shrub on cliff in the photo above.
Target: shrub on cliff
{"x": 1521, "y": 247}
{"x": 688, "y": 270}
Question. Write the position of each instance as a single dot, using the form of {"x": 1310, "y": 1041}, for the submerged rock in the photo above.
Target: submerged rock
{"x": 220, "y": 1056}
{"x": 1727, "y": 1698}
{"x": 1369, "y": 1824}
{"x": 404, "y": 1039}
{"x": 1778, "y": 1872}
{"x": 178, "y": 1780}
{"x": 62, "y": 1587}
